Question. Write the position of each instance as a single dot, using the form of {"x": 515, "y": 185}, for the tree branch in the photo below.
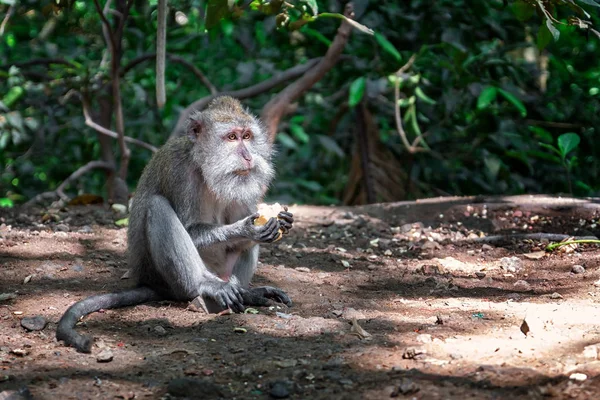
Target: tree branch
{"x": 38, "y": 61}
{"x": 9, "y": 13}
{"x": 100, "y": 129}
{"x": 274, "y": 110}
{"x": 245, "y": 93}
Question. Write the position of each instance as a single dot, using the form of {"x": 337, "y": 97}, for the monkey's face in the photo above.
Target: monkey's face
{"x": 236, "y": 159}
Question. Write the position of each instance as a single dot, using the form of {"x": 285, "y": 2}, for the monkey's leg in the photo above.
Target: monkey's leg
{"x": 178, "y": 262}
{"x": 260, "y": 296}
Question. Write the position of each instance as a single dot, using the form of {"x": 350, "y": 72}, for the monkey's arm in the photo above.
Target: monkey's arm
{"x": 204, "y": 235}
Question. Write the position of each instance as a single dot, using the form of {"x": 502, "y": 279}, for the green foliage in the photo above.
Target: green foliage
{"x": 480, "y": 94}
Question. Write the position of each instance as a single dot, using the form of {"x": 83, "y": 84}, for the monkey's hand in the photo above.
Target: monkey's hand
{"x": 266, "y": 233}
{"x": 261, "y": 296}
{"x": 286, "y": 219}
{"x": 227, "y": 295}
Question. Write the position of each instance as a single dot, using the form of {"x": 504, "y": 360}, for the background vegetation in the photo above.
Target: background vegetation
{"x": 491, "y": 88}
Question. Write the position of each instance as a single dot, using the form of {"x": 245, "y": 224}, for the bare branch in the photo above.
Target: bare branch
{"x": 176, "y": 59}
{"x": 411, "y": 148}
{"x": 106, "y": 24}
{"x": 9, "y": 13}
{"x": 59, "y": 192}
{"x": 277, "y": 106}
{"x": 245, "y": 93}
{"x": 38, "y": 61}
{"x": 100, "y": 129}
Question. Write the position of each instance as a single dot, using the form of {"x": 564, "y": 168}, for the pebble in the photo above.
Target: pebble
{"x": 62, "y": 228}
{"x": 105, "y": 356}
{"x": 577, "y": 269}
{"x": 77, "y": 268}
{"x": 522, "y": 285}
{"x": 193, "y": 388}
{"x": 579, "y": 377}
{"x": 119, "y": 208}
{"x": 406, "y": 386}
{"x": 556, "y": 295}
{"x": 86, "y": 229}
{"x": 480, "y": 274}
{"x": 511, "y": 264}
{"x": 302, "y": 269}
{"x": 36, "y": 323}
{"x": 424, "y": 338}
{"x": 590, "y": 352}
{"x": 280, "y": 390}
{"x": 160, "y": 331}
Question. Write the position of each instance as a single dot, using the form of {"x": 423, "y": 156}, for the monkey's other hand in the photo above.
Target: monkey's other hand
{"x": 260, "y": 296}
{"x": 286, "y": 219}
{"x": 266, "y": 233}
{"x": 228, "y": 295}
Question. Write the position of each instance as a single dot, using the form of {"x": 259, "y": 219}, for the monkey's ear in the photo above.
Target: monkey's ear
{"x": 195, "y": 129}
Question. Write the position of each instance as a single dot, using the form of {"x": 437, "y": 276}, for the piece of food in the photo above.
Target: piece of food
{"x": 268, "y": 211}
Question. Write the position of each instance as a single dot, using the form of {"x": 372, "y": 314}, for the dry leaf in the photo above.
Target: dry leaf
{"x": 524, "y": 327}
{"x": 358, "y": 330}
{"x": 536, "y": 255}
{"x": 126, "y": 275}
{"x": 27, "y": 279}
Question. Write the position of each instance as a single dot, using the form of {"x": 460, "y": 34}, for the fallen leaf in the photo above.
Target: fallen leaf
{"x": 27, "y": 279}
{"x": 240, "y": 330}
{"x": 524, "y": 328}
{"x": 358, "y": 330}
{"x": 536, "y": 255}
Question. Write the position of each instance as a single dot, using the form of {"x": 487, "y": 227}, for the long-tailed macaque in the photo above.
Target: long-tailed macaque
{"x": 191, "y": 232}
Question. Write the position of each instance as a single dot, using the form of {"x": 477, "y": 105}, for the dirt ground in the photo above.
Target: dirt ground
{"x": 410, "y": 300}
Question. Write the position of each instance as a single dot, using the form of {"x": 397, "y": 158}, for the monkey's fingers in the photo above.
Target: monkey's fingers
{"x": 286, "y": 216}
{"x": 273, "y": 293}
{"x": 270, "y": 232}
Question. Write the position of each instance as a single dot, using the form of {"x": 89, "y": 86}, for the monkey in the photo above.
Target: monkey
{"x": 191, "y": 235}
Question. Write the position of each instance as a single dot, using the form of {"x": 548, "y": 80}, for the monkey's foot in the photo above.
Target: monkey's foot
{"x": 261, "y": 296}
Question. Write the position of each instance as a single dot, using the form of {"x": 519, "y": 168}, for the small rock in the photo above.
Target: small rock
{"x": 280, "y": 390}
{"x": 193, "y": 388}
{"x": 480, "y": 274}
{"x": 387, "y": 253}
{"x": 371, "y": 267}
{"x": 413, "y": 353}
{"x": 556, "y": 295}
{"x": 19, "y": 352}
{"x": 86, "y": 229}
{"x": 62, "y": 228}
{"x": 486, "y": 247}
{"x": 511, "y": 264}
{"x": 424, "y": 338}
{"x": 350, "y": 313}
{"x": 105, "y": 356}
{"x": 406, "y": 386}
{"x": 302, "y": 269}
{"x": 522, "y": 285}
{"x": 77, "y": 268}
{"x": 36, "y": 323}
{"x": 577, "y": 269}
{"x": 577, "y": 376}
{"x": 346, "y": 382}
{"x": 159, "y": 330}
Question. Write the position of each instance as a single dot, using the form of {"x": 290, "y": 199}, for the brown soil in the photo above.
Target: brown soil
{"x": 381, "y": 308}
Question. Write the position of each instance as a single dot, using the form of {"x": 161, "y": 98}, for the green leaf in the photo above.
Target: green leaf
{"x": 13, "y": 95}
{"x": 514, "y": 101}
{"x": 545, "y": 35}
{"x": 549, "y": 147}
{"x": 589, "y": 2}
{"x": 286, "y": 140}
{"x": 555, "y": 32}
{"x": 316, "y": 34}
{"x": 357, "y": 90}
{"x": 122, "y": 222}
{"x": 541, "y": 133}
{"x": 420, "y": 94}
{"x": 568, "y": 142}
{"x": 331, "y": 145}
{"x": 299, "y": 133}
{"x": 6, "y": 202}
{"x": 387, "y": 46}
{"x": 215, "y": 11}
{"x": 487, "y": 96}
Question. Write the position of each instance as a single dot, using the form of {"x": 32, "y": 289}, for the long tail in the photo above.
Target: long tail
{"x": 66, "y": 325}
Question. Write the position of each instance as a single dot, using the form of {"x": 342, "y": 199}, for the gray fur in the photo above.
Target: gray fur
{"x": 191, "y": 230}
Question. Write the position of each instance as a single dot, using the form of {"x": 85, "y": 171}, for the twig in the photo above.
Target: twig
{"x": 553, "y": 237}
{"x": 9, "y": 13}
{"x": 100, "y": 129}
{"x": 176, "y": 59}
{"x": 554, "y": 246}
{"x": 397, "y": 113}
{"x": 245, "y": 93}
{"x": 38, "y": 61}
{"x": 59, "y": 192}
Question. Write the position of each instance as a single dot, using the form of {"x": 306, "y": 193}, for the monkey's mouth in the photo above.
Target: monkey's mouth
{"x": 243, "y": 172}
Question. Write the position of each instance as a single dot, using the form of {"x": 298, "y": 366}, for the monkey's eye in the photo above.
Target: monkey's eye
{"x": 232, "y": 137}
{"x": 247, "y": 136}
